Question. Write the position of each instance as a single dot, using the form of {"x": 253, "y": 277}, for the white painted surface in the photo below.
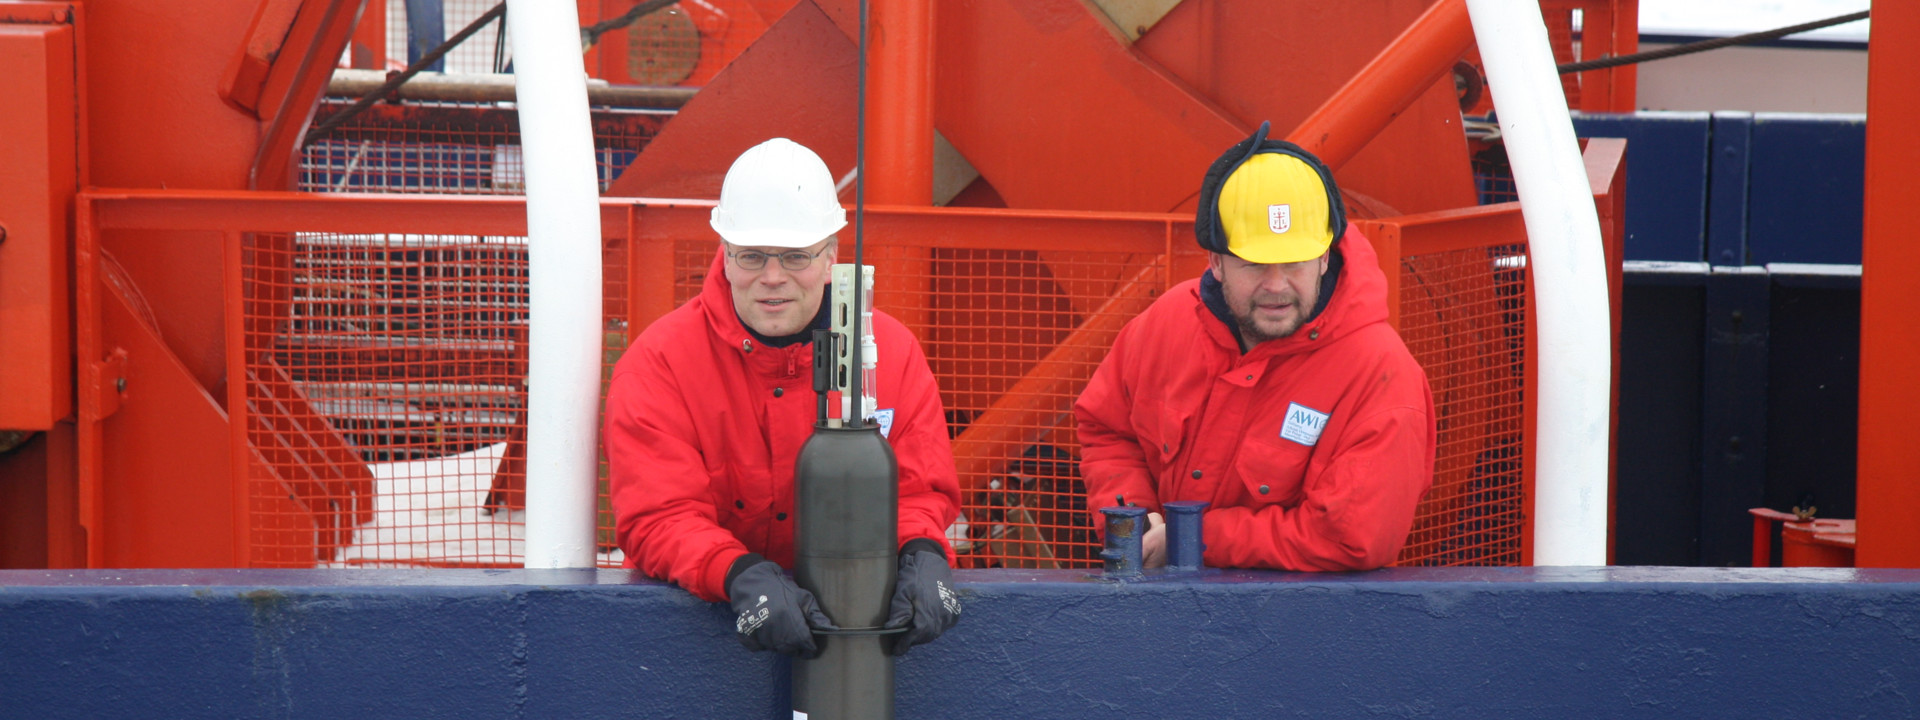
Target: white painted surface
{"x": 564, "y": 276}
{"x": 1756, "y": 79}
{"x": 1720, "y": 18}
{"x": 1569, "y": 280}
{"x": 429, "y": 512}
{"x": 1772, "y": 78}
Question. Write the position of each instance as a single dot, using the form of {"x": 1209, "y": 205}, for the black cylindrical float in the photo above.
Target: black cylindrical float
{"x": 846, "y": 539}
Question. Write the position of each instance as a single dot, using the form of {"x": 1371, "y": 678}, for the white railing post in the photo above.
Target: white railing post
{"x": 1569, "y": 283}
{"x": 563, "y": 257}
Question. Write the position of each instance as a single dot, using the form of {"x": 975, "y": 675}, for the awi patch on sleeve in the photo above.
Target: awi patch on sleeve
{"x": 1303, "y": 424}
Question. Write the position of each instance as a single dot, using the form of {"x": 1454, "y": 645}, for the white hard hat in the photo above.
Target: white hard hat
{"x": 778, "y": 194}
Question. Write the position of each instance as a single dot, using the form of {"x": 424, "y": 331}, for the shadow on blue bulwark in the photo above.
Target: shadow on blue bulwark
{"x": 1437, "y": 642}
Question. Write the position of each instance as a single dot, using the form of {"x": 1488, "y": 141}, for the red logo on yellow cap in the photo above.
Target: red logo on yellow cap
{"x": 1279, "y": 218}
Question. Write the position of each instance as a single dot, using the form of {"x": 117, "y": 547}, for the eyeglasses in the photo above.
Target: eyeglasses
{"x": 794, "y": 261}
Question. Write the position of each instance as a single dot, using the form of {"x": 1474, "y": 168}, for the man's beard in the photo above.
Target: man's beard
{"x": 1254, "y": 335}
{"x": 1251, "y": 332}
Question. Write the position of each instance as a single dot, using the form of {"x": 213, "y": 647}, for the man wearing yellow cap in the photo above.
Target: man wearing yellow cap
{"x": 1271, "y": 387}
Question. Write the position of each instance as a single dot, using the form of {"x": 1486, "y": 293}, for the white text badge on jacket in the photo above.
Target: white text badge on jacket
{"x": 1303, "y": 424}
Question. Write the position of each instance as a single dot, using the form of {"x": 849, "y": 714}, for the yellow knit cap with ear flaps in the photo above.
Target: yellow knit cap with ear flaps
{"x": 1273, "y": 209}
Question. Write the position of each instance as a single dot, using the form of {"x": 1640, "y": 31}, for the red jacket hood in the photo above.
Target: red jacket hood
{"x": 716, "y": 299}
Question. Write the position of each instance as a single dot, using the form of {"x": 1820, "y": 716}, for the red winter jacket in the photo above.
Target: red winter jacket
{"x": 703, "y": 425}
{"x": 1313, "y": 449}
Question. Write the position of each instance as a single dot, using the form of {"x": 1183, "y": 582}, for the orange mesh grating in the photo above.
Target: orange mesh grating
{"x": 1463, "y": 315}
{"x": 386, "y": 408}
{"x": 404, "y": 353}
{"x": 456, "y": 149}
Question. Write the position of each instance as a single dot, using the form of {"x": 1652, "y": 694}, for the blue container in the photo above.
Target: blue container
{"x": 1186, "y": 547}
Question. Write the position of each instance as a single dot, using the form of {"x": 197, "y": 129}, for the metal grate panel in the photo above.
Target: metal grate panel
{"x": 386, "y": 395}
{"x": 454, "y": 149}
{"x": 1463, "y": 315}
{"x": 388, "y": 409}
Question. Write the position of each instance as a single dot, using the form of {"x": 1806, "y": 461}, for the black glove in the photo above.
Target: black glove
{"x": 923, "y": 597}
{"x": 775, "y": 613}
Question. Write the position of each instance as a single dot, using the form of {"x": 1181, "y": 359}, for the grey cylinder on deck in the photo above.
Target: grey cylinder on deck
{"x": 846, "y": 540}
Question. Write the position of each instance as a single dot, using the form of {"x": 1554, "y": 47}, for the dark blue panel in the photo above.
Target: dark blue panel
{"x": 1657, "y": 457}
{"x": 1727, "y": 200}
{"x": 1813, "y": 392}
{"x": 1733, "y": 468}
{"x": 1666, "y": 180}
{"x": 1427, "y": 642}
{"x": 1805, "y": 189}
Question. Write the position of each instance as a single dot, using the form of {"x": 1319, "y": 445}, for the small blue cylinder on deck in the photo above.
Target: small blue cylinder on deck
{"x": 1186, "y": 548}
{"x": 1125, "y": 526}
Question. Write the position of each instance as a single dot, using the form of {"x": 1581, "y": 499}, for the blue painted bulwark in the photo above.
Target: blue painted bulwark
{"x": 1733, "y": 473}
{"x": 1701, "y": 392}
{"x": 1727, "y": 198}
{"x": 1738, "y": 188}
{"x": 1444, "y": 642}
{"x": 1667, "y": 154}
{"x": 1806, "y": 188}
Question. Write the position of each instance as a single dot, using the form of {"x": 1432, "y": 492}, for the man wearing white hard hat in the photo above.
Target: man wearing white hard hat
{"x": 708, "y": 409}
{"x": 1270, "y": 387}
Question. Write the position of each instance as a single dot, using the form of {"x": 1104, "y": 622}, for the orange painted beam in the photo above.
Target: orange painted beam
{"x": 1233, "y": 52}
{"x": 899, "y": 151}
{"x": 246, "y": 76}
{"x": 900, "y": 102}
{"x": 1047, "y": 100}
{"x": 1889, "y": 463}
{"x": 797, "y": 81}
{"x": 291, "y": 91}
{"x": 39, "y": 167}
{"x": 1399, "y": 75}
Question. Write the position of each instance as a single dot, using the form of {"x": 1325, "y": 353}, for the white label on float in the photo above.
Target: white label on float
{"x": 1303, "y": 424}
{"x": 884, "y": 418}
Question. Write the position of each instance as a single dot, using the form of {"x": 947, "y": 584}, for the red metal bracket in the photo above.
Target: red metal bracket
{"x": 108, "y": 381}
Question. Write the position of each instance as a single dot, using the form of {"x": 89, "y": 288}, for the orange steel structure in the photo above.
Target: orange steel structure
{"x": 1889, "y": 317}
{"x": 194, "y": 417}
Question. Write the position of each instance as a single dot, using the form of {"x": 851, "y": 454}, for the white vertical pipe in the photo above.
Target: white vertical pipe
{"x": 1569, "y": 282}
{"x": 563, "y": 256}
